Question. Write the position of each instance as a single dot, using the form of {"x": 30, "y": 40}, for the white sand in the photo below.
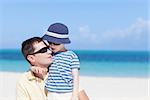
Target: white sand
{"x": 98, "y": 88}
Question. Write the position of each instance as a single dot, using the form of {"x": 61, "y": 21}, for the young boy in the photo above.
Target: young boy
{"x": 63, "y": 77}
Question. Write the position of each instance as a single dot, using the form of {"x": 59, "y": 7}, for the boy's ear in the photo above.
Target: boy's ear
{"x": 31, "y": 58}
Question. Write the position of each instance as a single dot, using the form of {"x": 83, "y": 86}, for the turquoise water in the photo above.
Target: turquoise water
{"x": 119, "y": 69}
{"x": 14, "y": 65}
{"x": 93, "y": 63}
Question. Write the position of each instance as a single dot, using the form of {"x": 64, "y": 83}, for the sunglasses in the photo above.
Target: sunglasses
{"x": 51, "y": 43}
{"x": 43, "y": 50}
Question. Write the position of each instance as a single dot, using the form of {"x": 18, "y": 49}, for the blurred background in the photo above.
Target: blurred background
{"x": 110, "y": 37}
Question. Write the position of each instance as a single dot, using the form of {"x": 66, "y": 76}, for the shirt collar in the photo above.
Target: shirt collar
{"x": 31, "y": 76}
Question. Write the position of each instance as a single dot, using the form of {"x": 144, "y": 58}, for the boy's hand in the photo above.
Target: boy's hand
{"x": 39, "y": 70}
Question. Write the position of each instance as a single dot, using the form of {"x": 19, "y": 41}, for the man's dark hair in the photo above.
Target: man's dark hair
{"x": 28, "y": 46}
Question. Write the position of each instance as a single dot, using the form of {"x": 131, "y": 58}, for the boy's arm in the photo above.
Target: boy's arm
{"x": 75, "y": 74}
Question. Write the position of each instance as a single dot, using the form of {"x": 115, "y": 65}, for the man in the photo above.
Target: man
{"x": 30, "y": 86}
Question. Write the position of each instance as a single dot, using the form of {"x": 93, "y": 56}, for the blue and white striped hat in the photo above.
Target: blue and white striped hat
{"x": 57, "y": 33}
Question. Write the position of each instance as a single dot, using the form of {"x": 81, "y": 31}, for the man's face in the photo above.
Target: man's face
{"x": 41, "y": 58}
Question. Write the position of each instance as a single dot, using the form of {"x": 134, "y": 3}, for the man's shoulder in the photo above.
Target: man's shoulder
{"x": 23, "y": 76}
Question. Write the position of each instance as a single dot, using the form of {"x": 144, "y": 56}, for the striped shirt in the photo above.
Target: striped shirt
{"x": 60, "y": 79}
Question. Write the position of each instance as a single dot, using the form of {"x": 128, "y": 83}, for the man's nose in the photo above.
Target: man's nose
{"x": 49, "y": 51}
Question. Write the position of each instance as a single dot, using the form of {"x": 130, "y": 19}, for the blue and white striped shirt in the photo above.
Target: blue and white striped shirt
{"x": 60, "y": 79}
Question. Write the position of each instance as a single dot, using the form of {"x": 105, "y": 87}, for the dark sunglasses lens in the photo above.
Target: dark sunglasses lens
{"x": 43, "y": 50}
{"x": 56, "y": 44}
{"x": 50, "y": 43}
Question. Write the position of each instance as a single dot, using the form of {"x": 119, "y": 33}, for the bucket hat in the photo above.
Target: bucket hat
{"x": 57, "y": 33}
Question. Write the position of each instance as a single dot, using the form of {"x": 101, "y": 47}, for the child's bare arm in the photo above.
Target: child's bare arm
{"x": 75, "y": 74}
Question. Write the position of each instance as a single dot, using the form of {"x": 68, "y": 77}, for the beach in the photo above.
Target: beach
{"x": 97, "y": 88}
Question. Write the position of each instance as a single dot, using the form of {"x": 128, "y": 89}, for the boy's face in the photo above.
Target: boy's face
{"x": 56, "y": 47}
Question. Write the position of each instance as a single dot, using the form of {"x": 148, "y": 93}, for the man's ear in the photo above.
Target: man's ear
{"x": 31, "y": 58}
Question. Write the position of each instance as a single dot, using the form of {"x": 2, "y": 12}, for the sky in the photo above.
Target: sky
{"x": 93, "y": 24}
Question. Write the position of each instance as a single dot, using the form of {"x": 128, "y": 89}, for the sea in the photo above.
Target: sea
{"x": 92, "y": 63}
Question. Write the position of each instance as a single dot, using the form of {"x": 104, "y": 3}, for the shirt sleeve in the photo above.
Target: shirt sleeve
{"x": 75, "y": 61}
{"x": 21, "y": 93}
